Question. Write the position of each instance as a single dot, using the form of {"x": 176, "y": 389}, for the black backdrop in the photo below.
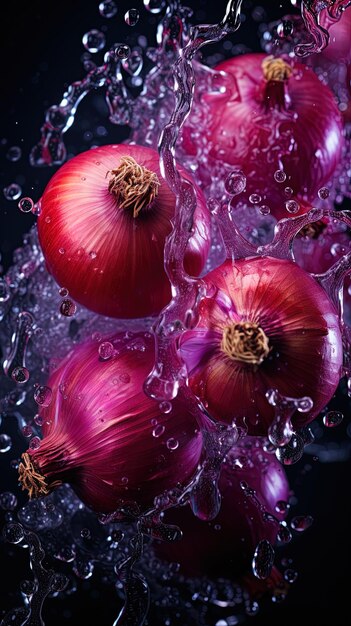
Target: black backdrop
{"x": 40, "y": 53}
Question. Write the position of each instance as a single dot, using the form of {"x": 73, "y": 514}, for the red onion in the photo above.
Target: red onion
{"x": 339, "y": 47}
{"x": 283, "y": 130}
{"x": 104, "y": 218}
{"x": 104, "y": 436}
{"x": 269, "y": 325}
{"x": 225, "y": 546}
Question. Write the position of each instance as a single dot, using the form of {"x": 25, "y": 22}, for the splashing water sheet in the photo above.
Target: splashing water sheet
{"x": 142, "y": 73}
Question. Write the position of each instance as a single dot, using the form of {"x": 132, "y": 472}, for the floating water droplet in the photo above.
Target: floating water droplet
{"x": 38, "y": 420}
{"x": 255, "y": 198}
{"x": 332, "y": 419}
{"x": 290, "y": 575}
{"x": 323, "y": 193}
{"x": 28, "y": 587}
{"x": 43, "y": 395}
{"x": 85, "y": 533}
{"x": 290, "y": 454}
{"x": 263, "y": 559}
{"x": 300, "y": 523}
{"x": 154, "y": 6}
{"x": 4, "y": 291}
{"x": 158, "y": 430}
{"x": 63, "y": 292}
{"x": 288, "y": 191}
{"x": 5, "y": 443}
{"x": 27, "y": 431}
{"x": 292, "y": 206}
{"x": 285, "y": 29}
{"x": 122, "y": 51}
{"x": 282, "y": 506}
{"x": 26, "y": 205}
{"x": 94, "y": 41}
{"x": 20, "y": 375}
{"x": 106, "y": 350}
{"x": 12, "y": 192}
{"x": 235, "y": 183}
{"x": 8, "y": 501}
{"x": 284, "y": 535}
{"x": 165, "y": 407}
{"x": 34, "y": 443}
{"x": 264, "y": 209}
{"x": 107, "y": 9}
{"x": 14, "y": 153}
{"x": 68, "y": 307}
{"x": 131, "y": 17}
{"x": 13, "y": 533}
{"x": 280, "y": 176}
{"x": 172, "y": 444}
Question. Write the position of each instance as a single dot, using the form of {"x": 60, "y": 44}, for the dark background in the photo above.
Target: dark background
{"x": 40, "y": 54}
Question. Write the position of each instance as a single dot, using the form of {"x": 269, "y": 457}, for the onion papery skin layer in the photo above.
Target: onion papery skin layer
{"x": 295, "y": 127}
{"x": 99, "y": 429}
{"x": 111, "y": 262}
{"x": 225, "y": 546}
{"x": 303, "y": 330}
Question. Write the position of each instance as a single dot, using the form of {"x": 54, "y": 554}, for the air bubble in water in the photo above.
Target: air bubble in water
{"x": 107, "y": 9}
{"x": 154, "y": 6}
{"x": 27, "y": 431}
{"x": 8, "y": 501}
{"x": 332, "y": 419}
{"x": 165, "y": 407}
{"x": 94, "y": 41}
{"x": 172, "y": 444}
{"x": 68, "y": 308}
{"x": 255, "y": 198}
{"x": 34, "y": 443}
{"x": 20, "y": 375}
{"x": 263, "y": 559}
{"x": 14, "y": 153}
{"x": 280, "y": 176}
{"x": 43, "y": 395}
{"x": 323, "y": 193}
{"x": 300, "y": 523}
{"x": 292, "y": 206}
{"x": 131, "y": 17}
{"x": 122, "y": 51}
{"x": 158, "y": 430}
{"x": 13, "y": 533}
{"x": 106, "y": 350}
{"x": 13, "y": 191}
{"x": 26, "y": 205}
{"x": 288, "y": 191}
{"x": 264, "y": 209}
{"x": 5, "y": 443}
{"x": 235, "y": 183}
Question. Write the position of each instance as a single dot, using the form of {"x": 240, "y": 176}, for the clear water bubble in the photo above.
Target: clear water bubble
{"x": 63, "y": 292}
{"x": 285, "y": 29}
{"x": 300, "y": 523}
{"x": 288, "y": 191}
{"x": 280, "y": 176}
{"x": 14, "y": 153}
{"x": 284, "y": 535}
{"x": 13, "y": 533}
{"x": 264, "y": 209}
{"x": 8, "y": 501}
{"x": 158, "y": 430}
{"x": 131, "y": 17}
{"x": 106, "y": 350}
{"x": 255, "y": 198}
{"x": 68, "y": 308}
{"x": 4, "y": 291}
{"x": 20, "y": 375}
{"x": 43, "y": 395}
{"x": 292, "y": 206}
{"x": 282, "y": 506}
{"x": 122, "y": 51}
{"x": 154, "y": 6}
{"x": 332, "y": 419}
{"x": 165, "y": 407}
{"x": 26, "y": 205}
{"x": 323, "y": 193}
{"x": 94, "y": 41}
{"x": 172, "y": 444}
{"x": 38, "y": 420}
{"x": 35, "y": 443}
{"x": 291, "y": 453}
{"x": 5, "y": 443}
{"x": 235, "y": 183}
{"x": 263, "y": 559}
{"x": 85, "y": 533}
{"x": 108, "y": 9}
{"x": 13, "y": 191}
{"x": 27, "y": 431}
{"x": 290, "y": 575}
